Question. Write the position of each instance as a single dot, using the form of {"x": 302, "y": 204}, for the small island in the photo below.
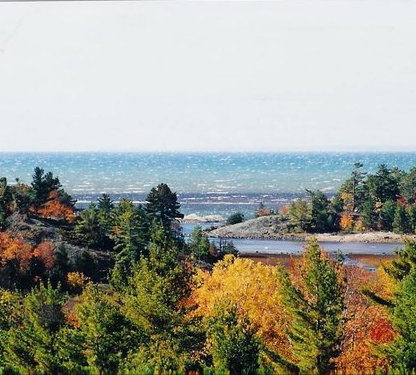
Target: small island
{"x": 372, "y": 208}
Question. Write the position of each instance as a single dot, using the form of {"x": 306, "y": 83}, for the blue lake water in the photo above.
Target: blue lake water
{"x": 207, "y": 183}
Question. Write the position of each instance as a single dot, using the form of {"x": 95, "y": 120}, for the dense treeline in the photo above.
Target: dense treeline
{"x": 164, "y": 305}
{"x": 385, "y": 200}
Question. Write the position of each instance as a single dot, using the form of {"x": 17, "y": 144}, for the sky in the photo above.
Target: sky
{"x": 208, "y": 76}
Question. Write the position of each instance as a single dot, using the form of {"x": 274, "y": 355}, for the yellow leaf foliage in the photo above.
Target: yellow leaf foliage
{"x": 253, "y": 287}
{"x": 76, "y": 280}
{"x": 346, "y": 221}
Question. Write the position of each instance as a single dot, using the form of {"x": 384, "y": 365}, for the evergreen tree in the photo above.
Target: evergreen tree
{"x": 199, "y": 245}
{"x": 387, "y": 214}
{"x": 154, "y": 301}
{"x": 369, "y": 214}
{"x": 105, "y": 207}
{"x": 316, "y": 305}
{"x": 402, "y": 351}
{"x": 107, "y": 334}
{"x": 43, "y": 184}
{"x": 401, "y": 220}
{"x": 411, "y": 214}
{"x": 384, "y": 185}
{"x": 88, "y": 228}
{"x": 235, "y": 218}
{"x": 38, "y": 343}
{"x": 5, "y": 200}
{"x": 354, "y": 190}
{"x": 322, "y": 216}
{"x": 408, "y": 186}
{"x": 406, "y": 260}
{"x": 300, "y": 214}
{"x": 234, "y": 346}
{"x": 131, "y": 236}
{"x": 162, "y": 205}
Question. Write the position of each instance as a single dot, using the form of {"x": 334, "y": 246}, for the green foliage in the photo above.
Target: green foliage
{"x": 235, "y": 218}
{"x": 199, "y": 245}
{"x": 384, "y": 184}
{"x": 322, "y": 216}
{"x": 402, "y": 351}
{"x": 88, "y": 227}
{"x": 155, "y": 301}
{"x": 234, "y": 346}
{"x": 355, "y": 189}
{"x": 105, "y": 207}
{"x": 406, "y": 260}
{"x": 387, "y": 214}
{"x": 130, "y": 229}
{"x": 300, "y": 214}
{"x": 43, "y": 184}
{"x": 401, "y": 220}
{"x": 408, "y": 185}
{"x": 162, "y": 205}
{"x": 316, "y": 305}
{"x": 411, "y": 214}
{"x": 107, "y": 334}
{"x": 369, "y": 214}
{"x": 41, "y": 341}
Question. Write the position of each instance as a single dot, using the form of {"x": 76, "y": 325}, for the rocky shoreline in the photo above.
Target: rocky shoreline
{"x": 269, "y": 228}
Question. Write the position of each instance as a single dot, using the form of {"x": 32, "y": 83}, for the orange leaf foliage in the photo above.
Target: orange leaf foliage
{"x": 45, "y": 252}
{"x": 367, "y": 324}
{"x": 53, "y": 208}
{"x": 15, "y": 248}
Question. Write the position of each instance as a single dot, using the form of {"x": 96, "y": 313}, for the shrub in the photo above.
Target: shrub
{"x": 236, "y": 218}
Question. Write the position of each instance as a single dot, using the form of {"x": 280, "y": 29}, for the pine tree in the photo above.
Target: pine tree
{"x": 401, "y": 220}
{"x": 108, "y": 336}
{"x": 402, "y": 351}
{"x": 39, "y": 342}
{"x": 316, "y": 305}
{"x": 387, "y": 214}
{"x": 300, "y": 214}
{"x": 155, "y": 300}
{"x": 88, "y": 228}
{"x": 199, "y": 245}
{"x": 105, "y": 207}
{"x": 234, "y": 345}
{"x": 162, "y": 205}
{"x": 43, "y": 184}
{"x": 369, "y": 215}
{"x": 411, "y": 214}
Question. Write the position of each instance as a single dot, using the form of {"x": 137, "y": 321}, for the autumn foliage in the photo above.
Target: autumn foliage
{"x": 53, "y": 208}
{"x": 15, "y": 248}
{"x": 254, "y": 289}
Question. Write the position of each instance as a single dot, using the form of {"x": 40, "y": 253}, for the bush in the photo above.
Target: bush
{"x": 236, "y": 218}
